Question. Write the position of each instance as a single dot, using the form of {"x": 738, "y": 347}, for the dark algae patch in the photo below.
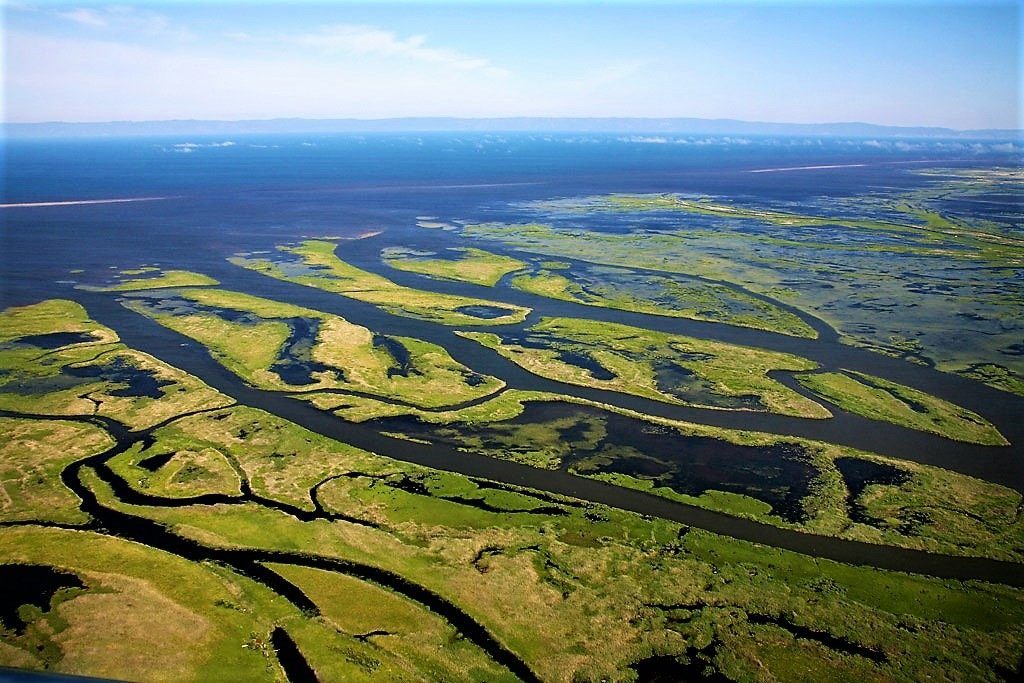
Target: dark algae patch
{"x": 141, "y": 382}
{"x": 155, "y": 462}
{"x": 138, "y": 382}
{"x": 30, "y": 585}
{"x": 696, "y": 664}
{"x": 53, "y": 340}
{"x": 402, "y": 365}
{"x": 295, "y": 364}
{"x": 565, "y": 352}
{"x": 823, "y": 638}
{"x": 680, "y": 381}
{"x": 485, "y": 312}
{"x": 858, "y": 475}
{"x": 779, "y": 475}
{"x": 593, "y": 442}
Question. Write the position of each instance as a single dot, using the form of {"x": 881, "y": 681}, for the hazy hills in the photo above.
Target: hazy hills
{"x": 509, "y": 125}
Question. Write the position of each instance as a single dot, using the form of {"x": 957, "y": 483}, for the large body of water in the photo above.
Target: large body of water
{"x": 252, "y": 192}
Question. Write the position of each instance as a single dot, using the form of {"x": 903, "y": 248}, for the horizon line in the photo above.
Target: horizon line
{"x": 455, "y": 118}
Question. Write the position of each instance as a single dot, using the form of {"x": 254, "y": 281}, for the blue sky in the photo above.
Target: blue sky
{"x": 909, "y": 63}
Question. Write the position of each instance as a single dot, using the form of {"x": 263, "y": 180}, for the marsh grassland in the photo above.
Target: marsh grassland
{"x": 623, "y": 438}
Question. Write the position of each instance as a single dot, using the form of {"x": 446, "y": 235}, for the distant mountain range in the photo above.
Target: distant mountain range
{"x": 628, "y": 126}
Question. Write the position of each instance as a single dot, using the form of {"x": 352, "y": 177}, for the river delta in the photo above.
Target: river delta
{"x": 549, "y": 433}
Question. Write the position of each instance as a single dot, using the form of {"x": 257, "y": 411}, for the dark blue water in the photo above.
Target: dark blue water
{"x": 266, "y": 189}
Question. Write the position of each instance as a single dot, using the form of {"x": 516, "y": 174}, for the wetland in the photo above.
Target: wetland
{"x": 717, "y": 426}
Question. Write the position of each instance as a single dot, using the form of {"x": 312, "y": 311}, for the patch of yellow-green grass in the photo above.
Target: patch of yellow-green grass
{"x": 471, "y": 265}
{"x": 32, "y": 455}
{"x": 402, "y": 498}
{"x": 42, "y": 389}
{"x": 631, "y": 354}
{"x": 547, "y": 284}
{"x": 630, "y": 377}
{"x": 245, "y": 349}
{"x": 144, "y": 612}
{"x": 352, "y": 408}
{"x": 363, "y": 361}
{"x": 330, "y": 273}
{"x": 504, "y": 406}
{"x": 425, "y": 644}
{"x": 580, "y": 605}
{"x": 279, "y": 459}
{"x": 165, "y": 280}
{"x": 695, "y": 300}
{"x": 880, "y": 399}
{"x": 193, "y": 469}
{"x": 49, "y": 317}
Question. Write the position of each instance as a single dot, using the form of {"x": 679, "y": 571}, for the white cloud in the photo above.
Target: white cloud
{"x": 359, "y": 39}
{"x": 124, "y": 19}
{"x": 85, "y": 17}
{"x": 92, "y": 77}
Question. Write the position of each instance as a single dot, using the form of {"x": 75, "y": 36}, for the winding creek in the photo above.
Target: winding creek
{"x": 249, "y": 562}
{"x": 148, "y": 336}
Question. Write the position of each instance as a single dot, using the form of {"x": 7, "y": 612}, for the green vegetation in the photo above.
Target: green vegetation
{"x": 322, "y": 269}
{"x": 145, "y": 612}
{"x": 422, "y": 644}
{"x": 924, "y": 224}
{"x": 334, "y": 353}
{"x": 994, "y": 375}
{"x": 96, "y": 377}
{"x": 32, "y": 455}
{"x": 881, "y": 399}
{"x": 675, "y": 297}
{"x": 928, "y": 508}
{"x": 276, "y": 459}
{"x": 708, "y": 207}
{"x": 165, "y": 280}
{"x": 577, "y": 591}
{"x": 49, "y": 317}
{"x": 831, "y": 259}
{"x": 471, "y": 265}
{"x": 541, "y": 583}
{"x": 191, "y": 469}
{"x": 504, "y": 406}
{"x": 655, "y": 365}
